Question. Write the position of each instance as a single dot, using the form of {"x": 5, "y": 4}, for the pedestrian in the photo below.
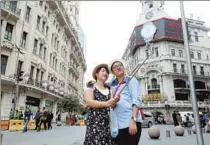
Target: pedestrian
{"x": 27, "y": 117}
{"x": 179, "y": 118}
{"x": 49, "y": 119}
{"x": 20, "y": 115}
{"x": 98, "y": 102}
{"x": 174, "y": 116}
{"x": 127, "y": 108}
{"x": 43, "y": 119}
{"x": 37, "y": 119}
{"x": 16, "y": 115}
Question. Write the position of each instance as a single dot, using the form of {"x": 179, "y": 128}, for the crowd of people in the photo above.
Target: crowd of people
{"x": 187, "y": 120}
{"x": 42, "y": 117}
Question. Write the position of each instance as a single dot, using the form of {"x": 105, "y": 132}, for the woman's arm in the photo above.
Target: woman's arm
{"x": 90, "y": 102}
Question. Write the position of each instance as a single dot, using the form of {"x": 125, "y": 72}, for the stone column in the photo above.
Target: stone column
{"x": 55, "y": 106}
{"x": 30, "y": 40}
{"x": 3, "y": 29}
{"x": 42, "y": 103}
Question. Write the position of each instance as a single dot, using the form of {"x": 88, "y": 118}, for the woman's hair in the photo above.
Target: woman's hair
{"x": 98, "y": 70}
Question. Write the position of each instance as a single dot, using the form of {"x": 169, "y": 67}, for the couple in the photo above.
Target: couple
{"x": 99, "y": 99}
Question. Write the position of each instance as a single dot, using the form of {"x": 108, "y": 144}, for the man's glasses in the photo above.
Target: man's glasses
{"x": 117, "y": 66}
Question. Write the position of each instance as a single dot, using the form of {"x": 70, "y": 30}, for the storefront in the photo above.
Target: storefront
{"x": 33, "y": 103}
{"x": 49, "y": 105}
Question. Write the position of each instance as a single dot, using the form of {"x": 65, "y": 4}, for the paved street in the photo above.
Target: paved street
{"x": 74, "y": 135}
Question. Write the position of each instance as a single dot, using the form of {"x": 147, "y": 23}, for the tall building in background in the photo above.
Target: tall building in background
{"x": 39, "y": 39}
{"x": 163, "y": 79}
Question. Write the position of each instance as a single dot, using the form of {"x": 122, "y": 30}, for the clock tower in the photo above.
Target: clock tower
{"x": 151, "y": 10}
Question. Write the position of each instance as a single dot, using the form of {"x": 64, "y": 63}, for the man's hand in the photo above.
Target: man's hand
{"x": 132, "y": 128}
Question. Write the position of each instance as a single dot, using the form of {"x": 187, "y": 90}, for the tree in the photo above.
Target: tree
{"x": 70, "y": 104}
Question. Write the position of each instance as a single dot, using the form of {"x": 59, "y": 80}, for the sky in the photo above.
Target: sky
{"x": 109, "y": 24}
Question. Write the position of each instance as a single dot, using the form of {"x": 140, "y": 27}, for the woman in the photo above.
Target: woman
{"x": 37, "y": 118}
{"x": 98, "y": 101}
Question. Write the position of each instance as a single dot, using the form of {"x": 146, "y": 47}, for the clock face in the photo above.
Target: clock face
{"x": 148, "y": 15}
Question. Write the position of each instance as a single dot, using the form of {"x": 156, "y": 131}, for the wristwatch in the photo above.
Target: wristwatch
{"x": 134, "y": 118}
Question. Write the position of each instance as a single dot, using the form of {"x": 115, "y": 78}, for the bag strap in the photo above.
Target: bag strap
{"x": 119, "y": 84}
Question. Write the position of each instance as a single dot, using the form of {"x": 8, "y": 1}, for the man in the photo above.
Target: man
{"x": 27, "y": 117}
{"x": 43, "y": 119}
{"x": 37, "y": 118}
{"x": 174, "y": 116}
{"x": 127, "y": 108}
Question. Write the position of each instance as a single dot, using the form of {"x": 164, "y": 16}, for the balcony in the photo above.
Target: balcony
{"x": 181, "y": 72}
{"x": 9, "y": 9}
{"x": 154, "y": 87}
{"x": 74, "y": 69}
{"x": 8, "y": 45}
{"x": 73, "y": 85}
{"x": 38, "y": 84}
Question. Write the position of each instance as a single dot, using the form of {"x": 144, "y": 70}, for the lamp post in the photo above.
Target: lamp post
{"x": 191, "y": 80}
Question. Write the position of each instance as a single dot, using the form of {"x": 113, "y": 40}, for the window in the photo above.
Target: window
{"x": 44, "y": 55}
{"x": 28, "y": 10}
{"x": 172, "y": 52}
{"x": 147, "y": 53}
{"x": 42, "y": 74}
{"x": 23, "y": 42}
{"x": 40, "y": 50}
{"x": 37, "y": 74}
{"x": 47, "y": 28}
{"x": 57, "y": 45}
{"x": 182, "y": 68}
{"x": 196, "y": 36}
{"x": 194, "y": 69}
{"x": 180, "y": 53}
{"x": 191, "y": 54}
{"x": 50, "y": 59}
{"x": 8, "y": 32}
{"x": 56, "y": 61}
{"x": 52, "y": 39}
{"x": 38, "y": 21}
{"x": 151, "y": 6}
{"x": 4, "y": 59}
{"x": 43, "y": 26}
{"x": 174, "y": 67}
{"x": 202, "y": 70}
{"x": 45, "y": 8}
{"x": 199, "y": 55}
{"x": 35, "y": 46}
{"x": 48, "y": 14}
{"x": 31, "y": 72}
{"x": 156, "y": 51}
{"x": 154, "y": 83}
{"x": 20, "y": 64}
{"x": 207, "y": 56}
{"x": 41, "y": 3}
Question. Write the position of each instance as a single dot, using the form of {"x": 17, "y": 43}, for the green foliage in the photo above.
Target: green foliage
{"x": 70, "y": 104}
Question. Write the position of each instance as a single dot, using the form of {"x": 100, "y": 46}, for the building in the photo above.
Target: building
{"x": 39, "y": 40}
{"x": 164, "y": 77}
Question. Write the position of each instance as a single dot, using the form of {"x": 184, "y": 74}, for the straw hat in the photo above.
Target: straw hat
{"x": 103, "y": 65}
{"x": 116, "y": 60}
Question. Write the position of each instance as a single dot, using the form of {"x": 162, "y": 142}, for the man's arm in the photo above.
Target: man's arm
{"x": 134, "y": 88}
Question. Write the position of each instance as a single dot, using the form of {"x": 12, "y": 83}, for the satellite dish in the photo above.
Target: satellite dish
{"x": 148, "y": 31}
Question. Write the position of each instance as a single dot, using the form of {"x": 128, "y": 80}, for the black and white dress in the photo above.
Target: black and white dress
{"x": 98, "y": 130}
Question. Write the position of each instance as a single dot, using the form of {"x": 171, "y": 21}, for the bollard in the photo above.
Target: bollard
{"x": 1, "y": 139}
{"x": 189, "y": 131}
{"x": 168, "y": 133}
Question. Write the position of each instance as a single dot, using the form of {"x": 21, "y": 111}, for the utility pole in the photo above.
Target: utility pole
{"x": 1, "y": 135}
{"x": 190, "y": 78}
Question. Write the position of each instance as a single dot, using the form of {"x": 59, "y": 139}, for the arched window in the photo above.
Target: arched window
{"x": 154, "y": 83}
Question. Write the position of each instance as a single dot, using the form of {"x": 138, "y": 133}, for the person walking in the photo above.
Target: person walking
{"x": 49, "y": 119}
{"x": 174, "y": 116}
{"x": 98, "y": 102}
{"x": 27, "y": 117}
{"x": 37, "y": 118}
{"x": 43, "y": 119}
{"x": 127, "y": 108}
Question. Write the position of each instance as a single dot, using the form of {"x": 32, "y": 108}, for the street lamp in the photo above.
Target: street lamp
{"x": 191, "y": 80}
